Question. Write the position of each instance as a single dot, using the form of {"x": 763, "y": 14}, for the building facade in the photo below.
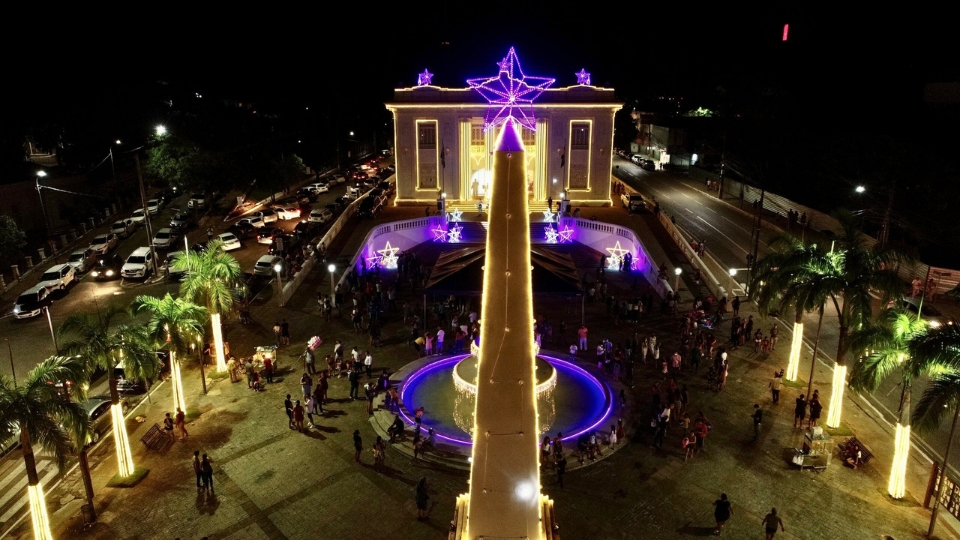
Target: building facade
{"x": 441, "y": 145}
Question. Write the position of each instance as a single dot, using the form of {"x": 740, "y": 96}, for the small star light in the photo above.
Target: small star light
{"x": 549, "y": 216}
{"x": 439, "y": 234}
{"x": 583, "y": 77}
{"x": 456, "y": 214}
{"x": 388, "y": 256}
{"x": 375, "y": 261}
{"x": 453, "y": 235}
{"x": 510, "y": 96}
{"x": 423, "y": 79}
{"x": 551, "y": 233}
{"x": 616, "y": 255}
{"x": 565, "y": 235}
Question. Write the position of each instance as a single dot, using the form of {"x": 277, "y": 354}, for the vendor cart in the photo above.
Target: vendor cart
{"x": 814, "y": 450}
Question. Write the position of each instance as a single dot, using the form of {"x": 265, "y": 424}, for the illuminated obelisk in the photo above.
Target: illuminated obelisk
{"x": 504, "y": 499}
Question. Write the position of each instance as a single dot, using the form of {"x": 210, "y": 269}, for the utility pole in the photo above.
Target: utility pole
{"x": 113, "y": 171}
{"x": 13, "y": 370}
{"x": 146, "y": 214}
{"x": 885, "y": 225}
{"x": 755, "y": 250}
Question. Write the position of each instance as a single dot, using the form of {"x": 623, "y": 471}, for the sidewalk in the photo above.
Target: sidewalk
{"x": 273, "y": 482}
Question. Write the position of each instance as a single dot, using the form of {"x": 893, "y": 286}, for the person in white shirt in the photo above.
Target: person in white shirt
{"x": 368, "y": 364}
{"x": 439, "y": 347}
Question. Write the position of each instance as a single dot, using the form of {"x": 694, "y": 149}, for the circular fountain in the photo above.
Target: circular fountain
{"x": 569, "y": 399}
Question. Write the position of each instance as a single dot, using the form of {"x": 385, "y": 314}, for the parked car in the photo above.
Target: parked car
{"x": 283, "y": 244}
{"x": 319, "y": 187}
{"x": 167, "y": 267}
{"x": 99, "y": 415}
{"x": 306, "y": 228}
{"x": 288, "y": 211}
{"x": 387, "y": 187}
{"x": 342, "y": 202}
{"x": 108, "y": 267}
{"x": 137, "y": 216}
{"x": 265, "y": 264}
{"x": 338, "y": 179}
{"x": 306, "y": 196}
{"x": 138, "y": 265}
{"x": 934, "y": 317}
{"x": 167, "y": 195}
{"x": 253, "y": 221}
{"x": 58, "y": 277}
{"x": 123, "y": 228}
{"x": 367, "y": 207}
{"x": 230, "y": 241}
{"x": 243, "y": 230}
{"x": 153, "y": 206}
{"x": 181, "y": 221}
{"x": 648, "y": 164}
{"x": 31, "y": 302}
{"x": 265, "y": 236}
{"x": 636, "y": 158}
{"x": 164, "y": 238}
{"x": 197, "y": 201}
{"x": 267, "y": 215}
{"x": 105, "y": 243}
{"x": 320, "y": 215}
{"x": 82, "y": 259}
{"x": 632, "y": 202}
{"x": 353, "y": 192}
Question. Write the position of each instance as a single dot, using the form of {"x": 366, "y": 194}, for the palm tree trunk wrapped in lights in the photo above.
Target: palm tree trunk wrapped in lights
{"x": 796, "y": 344}
{"x": 176, "y": 383}
{"x": 218, "y": 342}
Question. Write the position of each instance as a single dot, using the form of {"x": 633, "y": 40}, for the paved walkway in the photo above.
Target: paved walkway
{"x": 272, "y": 482}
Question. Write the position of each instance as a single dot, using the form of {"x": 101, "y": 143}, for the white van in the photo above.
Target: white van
{"x": 139, "y": 264}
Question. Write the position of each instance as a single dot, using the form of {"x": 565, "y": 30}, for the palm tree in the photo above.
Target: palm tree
{"x": 782, "y": 280}
{"x": 939, "y": 351}
{"x": 174, "y": 324}
{"x": 212, "y": 279}
{"x": 38, "y": 412}
{"x": 848, "y": 278}
{"x": 884, "y": 349}
{"x": 127, "y": 346}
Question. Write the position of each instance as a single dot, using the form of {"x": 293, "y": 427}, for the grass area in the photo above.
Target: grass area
{"x": 793, "y": 384}
{"x": 842, "y": 431}
{"x": 192, "y": 414}
{"x": 906, "y": 501}
{"x": 139, "y": 473}
{"x": 217, "y": 375}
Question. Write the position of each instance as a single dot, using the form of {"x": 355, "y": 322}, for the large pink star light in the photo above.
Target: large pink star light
{"x": 510, "y": 96}
{"x": 423, "y": 79}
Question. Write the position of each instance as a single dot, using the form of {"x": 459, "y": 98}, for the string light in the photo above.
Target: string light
{"x": 456, "y": 214}
{"x": 616, "y": 256}
{"x": 836, "y": 395}
{"x": 793, "y": 364}
{"x": 453, "y": 235}
{"x": 510, "y": 96}
{"x": 566, "y": 234}
{"x": 388, "y": 256}
{"x": 551, "y": 233}
{"x": 549, "y": 216}
{"x": 439, "y": 234}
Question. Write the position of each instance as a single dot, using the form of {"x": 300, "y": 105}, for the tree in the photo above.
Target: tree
{"x": 174, "y": 324}
{"x": 939, "y": 351}
{"x": 883, "y": 346}
{"x": 41, "y": 415}
{"x": 12, "y": 239}
{"x": 213, "y": 279}
{"x": 128, "y": 346}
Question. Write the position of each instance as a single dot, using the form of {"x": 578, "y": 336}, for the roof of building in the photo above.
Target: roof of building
{"x": 579, "y": 94}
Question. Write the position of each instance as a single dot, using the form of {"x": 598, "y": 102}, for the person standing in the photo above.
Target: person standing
{"x": 757, "y": 419}
{"x": 268, "y": 369}
{"x": 369, "y": 393}
{"x": 368, "y": 363}
{"x": 561, "y": 469}
{"x": 439, "y": 347}
{"x": 770, "y": 522}
{"x": 421, "y": 497}
{"x": 198, "y": 468}
{"x": 276, "y": 332}
{"x": 206, "y": 468}
{"x": 311, "y": 408}
{"x": 354, "y": 378}
{"x": 168, "y": 426}
{"x": 181, "y": 422}
{"x": 775, "y": 385}
{"x": 309, "y": 359}
{"x": 582, "y": 334}
{"x": 357, "y": 445}
{"x": 306, "y": 383}
{"x": 815, "y": 408}
{"x": 799, "y": 412}
{"x": 736, "y": 306}
{"x": 379, "y": 453}
{"x": 288, "y": 407}
{"x": 721, "y": 513}
{"x": 774, "y": 335}
{"x": 285, "y": 332}
{"x": 298, "y": 415}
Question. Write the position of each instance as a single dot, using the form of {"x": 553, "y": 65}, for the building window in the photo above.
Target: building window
{"x": 580, "y": 136}
{"x": 426, "y": 136}
{"x": 477, "y": 136}
{"x": 528, "y": 137}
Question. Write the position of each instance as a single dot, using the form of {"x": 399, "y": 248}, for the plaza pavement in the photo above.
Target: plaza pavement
{"x": 272, "y": 482}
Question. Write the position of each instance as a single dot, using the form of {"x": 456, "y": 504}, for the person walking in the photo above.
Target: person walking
{"x": 354, "y": 378}
{"x": 298, "y": 415}
{"x": 721, "y": 513}
{"x": 799, "y": 412}
{"x": 198, "y": 468}
{"x": 736, "y": 306}
{"x": 561, "y": 469}
{"x": 774, "y": 336}
{"x": 357, "y": 445}
{"x": 775, "y": 385}
{"x": 770, "y": 522}
{"x": 311, "y": 409}
{"x": 181, "y": 422}
{"x": 757, "y": 419}
{"x": 379, "y": 453}
{"x": 206, "y": 468}
{"x": 421, "y": 497}
{"x": 288, "y": 407}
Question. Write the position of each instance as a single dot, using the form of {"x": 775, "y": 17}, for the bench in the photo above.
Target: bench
{"x": 153, "y": 435}
{"x": 865, "y": 453}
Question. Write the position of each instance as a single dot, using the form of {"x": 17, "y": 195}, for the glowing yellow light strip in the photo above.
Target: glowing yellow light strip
{"x": 897, "y": 486}
{"x": 38, "y": 513}
{"x": 793, "y": 365}
{"x": 836, "y": 395}
{"x": 121, "y": 441}
{"x": 218, "y": 342}
{"x": 176, "y": 384}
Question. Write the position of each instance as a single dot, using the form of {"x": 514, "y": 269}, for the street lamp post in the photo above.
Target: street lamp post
{"x": 333, "y": 296}
{"x": 676, "y": 282}
{"x": 46, "y": 222}
{"x": 733, "y": 272}
{"x": 13, "y": 370}
{"x": 53, "y": 335}
{"x": 277, "y": 268}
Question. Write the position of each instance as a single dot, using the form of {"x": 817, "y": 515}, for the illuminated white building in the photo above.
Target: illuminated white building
{"x": 441, "y": 144}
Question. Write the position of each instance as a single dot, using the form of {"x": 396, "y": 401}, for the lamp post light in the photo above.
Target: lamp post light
{"x": 676, "y": 283}
{"x": 161, "y": 130}
{"x": 53, "y": 334}
{"x": 860, "y": 189}
{"x": 46, "y": 223}
{"x": 733, "y": 272}
{"x": 333, "y": 296}
{"x": 278, "y": 268}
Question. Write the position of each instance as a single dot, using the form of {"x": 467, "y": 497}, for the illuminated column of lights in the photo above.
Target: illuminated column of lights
{"x": 218, "y": 342}
{"x": 836, "y": 395}
{"x": 121, "y": 441}
{"x": 176, "y": 383}
{"x": 793, "y": 365}
{"x": 38, "y": 513}
{"x": 897, "y": 487}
